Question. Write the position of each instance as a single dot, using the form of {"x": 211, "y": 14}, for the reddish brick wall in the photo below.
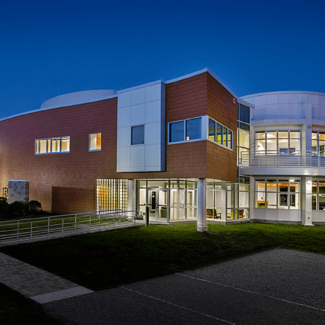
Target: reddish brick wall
{"x": 67, "y": 181}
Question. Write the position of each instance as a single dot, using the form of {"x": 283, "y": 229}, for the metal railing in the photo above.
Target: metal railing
{"x": 23, "y": 230}
{"x": 282, "y": 158}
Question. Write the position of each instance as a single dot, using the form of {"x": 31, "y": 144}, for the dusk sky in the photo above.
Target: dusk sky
{"x": 50, "y": 48}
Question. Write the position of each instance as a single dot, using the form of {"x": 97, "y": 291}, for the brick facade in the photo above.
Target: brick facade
{"x": 66, "y": 182}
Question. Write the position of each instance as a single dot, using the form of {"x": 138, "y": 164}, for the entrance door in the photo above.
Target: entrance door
{"x": 158, "y": 204}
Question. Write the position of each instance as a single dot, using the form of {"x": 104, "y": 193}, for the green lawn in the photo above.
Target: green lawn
{"x": 112, "y": 258}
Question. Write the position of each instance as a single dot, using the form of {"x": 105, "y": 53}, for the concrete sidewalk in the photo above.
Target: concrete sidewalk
{"x": 274, "y": 287}
{"x": 35, "y": 283}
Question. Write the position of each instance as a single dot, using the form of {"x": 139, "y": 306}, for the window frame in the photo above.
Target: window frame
{"x": 286, "y": 151}
{"x": 137, "y": 126}
{"x": 184, "y": 131}
{"x": 89, "y": 141}
{"x": 216, "y": 123}
{"x": 49, "y": 141}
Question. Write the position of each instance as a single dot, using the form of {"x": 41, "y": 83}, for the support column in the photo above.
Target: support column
{"x": 201, "y": 205}
{"x": 251, "y": 197}
{"x": 224, "y": 202}
{"x": 131, "y": 197}
{"x": 306, "y": 206}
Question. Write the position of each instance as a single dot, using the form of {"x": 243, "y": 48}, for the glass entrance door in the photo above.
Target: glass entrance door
{"x": 158, "y": 204}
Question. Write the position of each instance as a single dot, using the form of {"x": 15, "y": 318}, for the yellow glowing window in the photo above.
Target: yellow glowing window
{"x": 52, "y": 145}
{"x": 95, "y": 142}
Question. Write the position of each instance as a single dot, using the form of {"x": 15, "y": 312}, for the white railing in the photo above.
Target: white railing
{"x": 280, "y": 158}
{"x": 22, "y": 230}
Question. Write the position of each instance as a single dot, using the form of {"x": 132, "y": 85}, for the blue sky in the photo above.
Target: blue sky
{"x": 50, "y": 48}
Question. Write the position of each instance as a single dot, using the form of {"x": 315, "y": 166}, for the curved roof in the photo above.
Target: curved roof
{"x": 78, "y": 97}
{"x": 284, "y": 92}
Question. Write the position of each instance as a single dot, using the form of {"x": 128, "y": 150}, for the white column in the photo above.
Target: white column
{"x": 251, "y": 197}
{"x": 201, "y": 205}
{"x": 131, "y": 194}
{"x": 306, "y": 206}
{"x": 224, "y": 202}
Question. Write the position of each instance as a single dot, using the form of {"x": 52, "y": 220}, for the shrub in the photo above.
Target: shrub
{"x": 18, "y": 209}
{"x": 34, "y": 206}
{"x": 4, "y": 209}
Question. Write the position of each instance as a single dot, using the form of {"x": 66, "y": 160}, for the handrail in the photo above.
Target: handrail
{"x": 59, "y": 225}
{"x": 282, "y": 158}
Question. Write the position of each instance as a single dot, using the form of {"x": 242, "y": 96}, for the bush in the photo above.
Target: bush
{"x": 34, "y": 206}
{"x": 18, "y": 209}
{"x": 4, "y": 210}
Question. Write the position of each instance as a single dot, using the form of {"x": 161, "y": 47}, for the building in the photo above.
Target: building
{"x": 172, "y": 146}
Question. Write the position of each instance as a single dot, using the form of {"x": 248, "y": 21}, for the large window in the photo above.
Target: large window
{"x": 137, "y": 135}
{"x": 275, "y": 142}
{"x": 318, "y": 142}
{"x": 277, "y": 193}
{"x": 52, "y": 145}
{"x": 186, "y": 130}
{"x": 237, "y": 201}
{"x": 220, "y": 134}
{"x": 243, "y": 144}
{"x": 243, "y": 117}
{"x": 318, "y": 196}
{"x": 95, "y": 142}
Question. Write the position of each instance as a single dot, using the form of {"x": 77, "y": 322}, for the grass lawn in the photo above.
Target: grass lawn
{"x": 112, "y": 258}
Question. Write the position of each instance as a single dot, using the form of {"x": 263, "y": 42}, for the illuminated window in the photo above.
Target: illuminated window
{"x": 95, "y": 142}
{"x": 220, "y": 134}
{"x": 277, "y": 194}
{"x": 276, "y": 142}
{"x": 52, "y": 145}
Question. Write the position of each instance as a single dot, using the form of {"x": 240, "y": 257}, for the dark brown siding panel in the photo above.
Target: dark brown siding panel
{"x": 222, "y": 162}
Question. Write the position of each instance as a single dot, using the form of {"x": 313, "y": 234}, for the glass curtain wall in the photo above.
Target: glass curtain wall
{"x": 237, "y": 201}
{"x": 243, "y": 128}
{"x": 278, "y": 193}
{"x": 182, "y": 197}
{"x": 213, "y": 200}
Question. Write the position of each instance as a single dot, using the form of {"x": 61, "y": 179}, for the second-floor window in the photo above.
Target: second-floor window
{"x": 95, "y": 142}
{"x": 52, "y": 145}
{"x": 277, "y": 142}
{"x": 318, "y": 142}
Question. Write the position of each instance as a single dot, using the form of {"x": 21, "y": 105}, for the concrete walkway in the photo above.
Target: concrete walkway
{"x": 35, "y": 283}
{"x": 274, "y": 287}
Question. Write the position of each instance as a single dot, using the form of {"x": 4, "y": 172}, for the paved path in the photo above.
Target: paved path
{"x": 274, "y": 287}
{"x": 35, "y": 283}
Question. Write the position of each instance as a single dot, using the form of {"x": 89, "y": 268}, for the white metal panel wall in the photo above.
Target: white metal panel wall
{"x": 144, "y": 105}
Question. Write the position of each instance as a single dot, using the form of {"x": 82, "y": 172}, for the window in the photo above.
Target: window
{"x": 176, "y": 131}
{"x": 52, "y": 145}
{"x": 186, "y": 130}
{"x": 193, "y": 129}
{"x": 95, "y": 142}
{"x": 277, "y": 194}
{"x": 212, "y": 130}
{"x": 220, "y": 134}
{"x": 243, "y": 146}
{"x": 318, "y": 142}
{"x": 318, "y": 195}
{"x": 276, "y": 142}
{"x": 137, "y": 135}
